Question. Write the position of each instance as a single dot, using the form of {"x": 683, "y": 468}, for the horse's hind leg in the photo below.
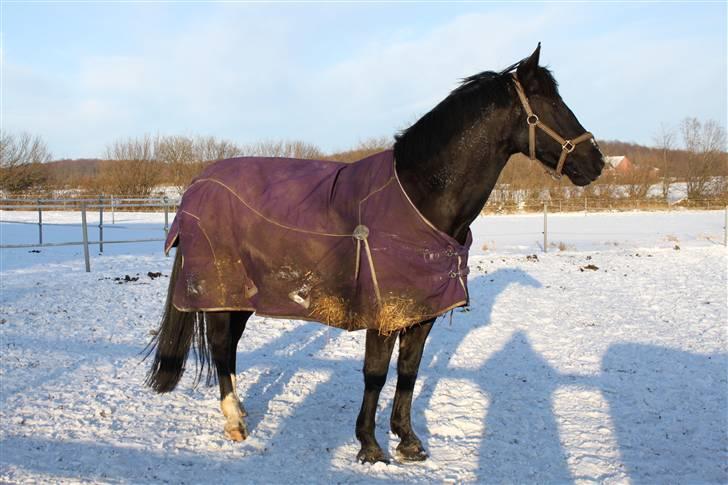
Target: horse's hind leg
{"x": 223, "y": 332}
{"x": 411, "y": 345}
{"x": 376, "y": 363}
{"x": 237, "y": 327}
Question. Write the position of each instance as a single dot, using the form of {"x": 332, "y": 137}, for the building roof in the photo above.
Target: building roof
{"x": 614, "y": 161}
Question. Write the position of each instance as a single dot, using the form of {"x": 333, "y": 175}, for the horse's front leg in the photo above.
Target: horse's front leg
{"x": 376, "y": 363}
{"x": 411, "y": 345}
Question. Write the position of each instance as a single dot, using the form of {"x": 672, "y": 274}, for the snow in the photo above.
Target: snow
{"x": 556, "y": 373}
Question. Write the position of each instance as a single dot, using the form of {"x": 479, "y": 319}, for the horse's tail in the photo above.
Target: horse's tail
{"x": 173, "y": 340}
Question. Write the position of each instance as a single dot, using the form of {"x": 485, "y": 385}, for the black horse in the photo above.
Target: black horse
{"x": 448, "y": 163}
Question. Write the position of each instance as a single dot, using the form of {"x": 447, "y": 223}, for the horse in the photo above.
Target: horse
{"x": 447, "y": 164}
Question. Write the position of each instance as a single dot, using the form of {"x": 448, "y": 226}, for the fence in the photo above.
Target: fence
{"x": 592, "y": 204}
{"x": 107, "y": 205}
{"x": 84, "y": 205}
{"x": 585, "y": 233}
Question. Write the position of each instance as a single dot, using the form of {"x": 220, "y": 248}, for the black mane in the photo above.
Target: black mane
{"x": 475, "y": 94}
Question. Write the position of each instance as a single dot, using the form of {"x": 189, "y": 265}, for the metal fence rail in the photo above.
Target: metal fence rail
{"x": 589, "y": 204}
{"x": 100, "y": 204}
{"x": 545, "y": 226}
{"x": 84, "y": 205}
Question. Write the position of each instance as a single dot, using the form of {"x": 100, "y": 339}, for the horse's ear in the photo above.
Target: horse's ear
{"x": 528, "y": 68}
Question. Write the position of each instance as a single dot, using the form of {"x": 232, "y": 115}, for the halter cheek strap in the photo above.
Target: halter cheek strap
{"x": 567, "y": 146}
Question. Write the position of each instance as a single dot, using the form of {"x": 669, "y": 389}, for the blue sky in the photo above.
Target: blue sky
{"x": 82, "y": 75}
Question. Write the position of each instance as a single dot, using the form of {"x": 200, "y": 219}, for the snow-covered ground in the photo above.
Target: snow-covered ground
{"x": 556, "y": 373}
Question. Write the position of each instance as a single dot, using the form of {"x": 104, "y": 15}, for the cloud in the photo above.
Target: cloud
{"x": 113, "y": 74}
{"x": 243, "y": 77}
{"x": 392, "y": 83}
{"x": 248, "y": 74}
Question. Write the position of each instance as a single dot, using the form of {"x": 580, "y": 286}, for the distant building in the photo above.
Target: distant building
{"x": 620, "y": 164}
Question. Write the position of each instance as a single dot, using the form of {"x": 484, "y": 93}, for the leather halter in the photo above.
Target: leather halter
{"x": 532, "y": 120}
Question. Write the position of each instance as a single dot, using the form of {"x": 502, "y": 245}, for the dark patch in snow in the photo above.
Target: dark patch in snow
{"x": 127, "y": 279}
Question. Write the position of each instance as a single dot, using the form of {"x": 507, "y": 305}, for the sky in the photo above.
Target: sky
{"x": 83, "y": 75}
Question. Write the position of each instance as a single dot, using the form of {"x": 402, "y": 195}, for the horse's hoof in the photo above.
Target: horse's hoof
{"x": 243, "y": 411}
{"x": 372, "y": 455}
{"x": 236, "y": 433}
{"x": 411, "y": 451}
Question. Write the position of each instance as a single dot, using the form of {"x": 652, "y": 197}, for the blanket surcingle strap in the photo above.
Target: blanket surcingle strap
{"x": 332, "y": 242}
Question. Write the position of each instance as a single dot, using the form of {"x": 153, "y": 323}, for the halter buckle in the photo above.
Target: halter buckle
{"x": 532, "y": 119}
{"x": 568, "y": 147}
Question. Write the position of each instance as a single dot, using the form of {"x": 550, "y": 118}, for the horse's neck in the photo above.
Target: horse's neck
{"x": 451, "y": 187}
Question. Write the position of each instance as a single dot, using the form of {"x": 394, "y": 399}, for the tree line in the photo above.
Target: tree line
{"x": 693, "y": 154}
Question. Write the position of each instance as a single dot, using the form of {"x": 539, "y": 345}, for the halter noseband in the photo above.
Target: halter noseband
{"x": 567, "y": 146}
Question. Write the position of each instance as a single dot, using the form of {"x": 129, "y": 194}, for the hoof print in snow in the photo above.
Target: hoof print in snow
{"x": 589, "y": 267}
{"x": 676, "y": 248}
{"x": 532, "y": 257}
{"x": 154, "y": 275}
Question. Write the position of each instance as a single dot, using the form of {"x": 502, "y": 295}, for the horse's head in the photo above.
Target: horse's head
{"x": 547, "y": 128}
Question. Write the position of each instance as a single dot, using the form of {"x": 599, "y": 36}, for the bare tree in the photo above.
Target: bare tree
{"x": 21, "y": 157}
{"x": 185, "y": 157}
{"x": 210, "y": 149}
{"x": 132, "y": 167}
{"x": 285, "y": 148}
{"x": 705, "y": 143}
{"x": 176, "y": 149}
{"x": 180, "y": 160}
{"x": 665, "y": 140}
{"x": 363, "y": 149}
{"x": 638, "y": 181}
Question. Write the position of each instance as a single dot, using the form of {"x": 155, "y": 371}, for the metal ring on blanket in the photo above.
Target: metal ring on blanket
{"x": 361, "y": 233}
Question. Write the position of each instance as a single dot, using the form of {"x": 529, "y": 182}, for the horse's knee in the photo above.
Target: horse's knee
{"x": 406, "y": 381}
{"x": 374, "y": 381}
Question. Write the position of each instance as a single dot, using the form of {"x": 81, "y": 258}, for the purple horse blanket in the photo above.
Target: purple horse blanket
{"x": 332, "y": 242}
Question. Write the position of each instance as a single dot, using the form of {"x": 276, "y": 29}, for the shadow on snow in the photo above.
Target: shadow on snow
{"x": 668, "y": 408}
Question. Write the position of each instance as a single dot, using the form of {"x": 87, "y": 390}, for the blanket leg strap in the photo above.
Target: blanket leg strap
{"x": 361, "y": 233}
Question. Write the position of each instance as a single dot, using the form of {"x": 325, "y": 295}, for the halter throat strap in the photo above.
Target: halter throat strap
{"x": 533, "y": 122}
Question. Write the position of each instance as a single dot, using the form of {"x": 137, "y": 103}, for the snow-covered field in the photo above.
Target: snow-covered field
{"x": 556, "y": 373}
